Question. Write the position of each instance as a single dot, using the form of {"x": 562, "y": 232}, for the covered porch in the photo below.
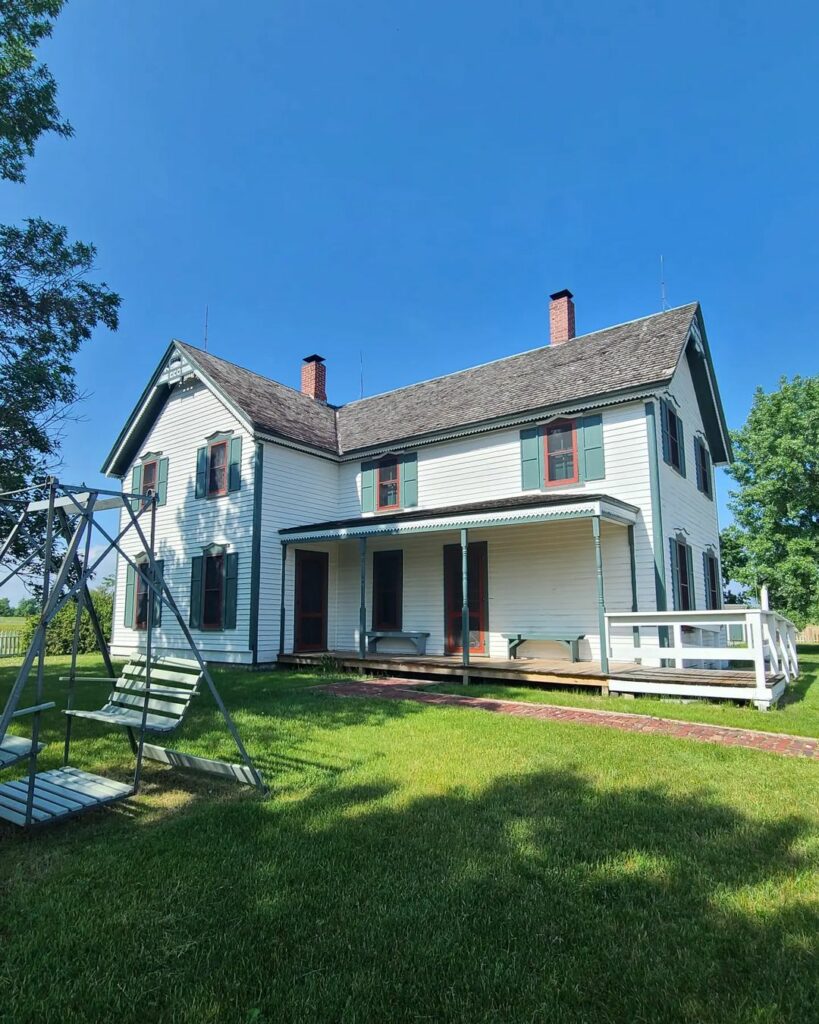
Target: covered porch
{"x": 468, "y": 584}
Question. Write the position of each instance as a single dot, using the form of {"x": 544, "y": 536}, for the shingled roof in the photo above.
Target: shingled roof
{"x": 632, "y": 355}
{"x": 638, "y": 354}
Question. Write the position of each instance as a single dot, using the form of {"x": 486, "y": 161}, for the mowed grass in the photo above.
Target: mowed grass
{"x": 797, "y": 714}
{"x": 417, "y": 864}
{"x": 11, "y": 623}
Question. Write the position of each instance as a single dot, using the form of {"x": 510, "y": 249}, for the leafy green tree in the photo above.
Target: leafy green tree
{"x": 60, "y": 633}
{"x": 775, "y": 537}
{"x": 5, "y": 608}
{"x": 28, "y": 606}
{"x": 28, "y": 92}
{"x": 49, "y": 305}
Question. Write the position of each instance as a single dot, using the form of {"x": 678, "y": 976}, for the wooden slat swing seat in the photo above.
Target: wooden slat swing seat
{"x": 151, "y": 695}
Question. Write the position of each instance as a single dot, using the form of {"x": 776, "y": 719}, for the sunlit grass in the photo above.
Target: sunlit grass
{"x": 798, "y": 713}
{"x": 416, "y": 864}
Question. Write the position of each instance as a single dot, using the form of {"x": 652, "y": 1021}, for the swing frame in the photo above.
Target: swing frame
{"x": 72, "y": 514}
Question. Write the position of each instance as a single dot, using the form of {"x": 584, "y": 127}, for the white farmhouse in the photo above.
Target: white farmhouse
{"x": 548, "y": 487}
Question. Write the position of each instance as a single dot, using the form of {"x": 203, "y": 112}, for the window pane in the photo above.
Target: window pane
{"x": 560, "y": 438}
{"x": 217, "y": 476}
{"x": 141, "y": 605}
{"x": 388, "y": 483}
{"x": 560, "y": 460}
{"x": 561, "y": 467}
{"x": 149, "y": 477}
{"x": 212, "y": 605}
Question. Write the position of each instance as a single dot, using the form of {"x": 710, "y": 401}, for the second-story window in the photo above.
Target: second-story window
{"x": 217, "y": 469}
{"x": 703, "y": 468}
{"x": 388, "y": 487}
{"x": 560, "y": 455}
{"x": 673, "y": 443}
{"x": 149, "y": 476}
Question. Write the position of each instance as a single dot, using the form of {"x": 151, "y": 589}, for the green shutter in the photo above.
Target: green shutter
{"x": 590, "y": 446}
{"x": 531, "y": 459}
{"x": 136, "y": 485}
{"x": 368, "y": 487}
{"x": 231, "y": 589}
{"x": 664, "y": 429}
{"x": 692, "y": 590}
{"x": 681, "y": 442}
{"x": 162, "y": 482}
{"x": 409, "y": 480}
{"x": 195, "y": 618}
{"x": 675, "y": 574}
{"x": 130, "y": 582}
{"x": 201, "y": 472}
{"x": 235, "y": 464}
{"x": 159, "y": 567}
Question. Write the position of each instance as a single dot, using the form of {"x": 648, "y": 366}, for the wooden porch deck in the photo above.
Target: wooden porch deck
{"x": 560, "y": 672}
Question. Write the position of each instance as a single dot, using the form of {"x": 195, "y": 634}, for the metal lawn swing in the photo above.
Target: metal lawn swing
{"x": 151, "y": 695}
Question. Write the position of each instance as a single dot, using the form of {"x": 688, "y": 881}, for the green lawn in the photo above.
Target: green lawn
{"x": 418, "y": 864}
{"x": 798, "y": 714}
{"x": 11, "y": 623}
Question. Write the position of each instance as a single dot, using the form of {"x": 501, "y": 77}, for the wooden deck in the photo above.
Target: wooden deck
{"x": 536, "y": 671}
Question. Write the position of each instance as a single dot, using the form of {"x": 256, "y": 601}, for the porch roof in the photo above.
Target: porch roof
{"x": 535, "y": 508}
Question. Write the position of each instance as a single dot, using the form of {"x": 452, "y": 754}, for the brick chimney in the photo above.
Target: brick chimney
{"x": 314, "y": 378}
{"x": 561, "y": 317}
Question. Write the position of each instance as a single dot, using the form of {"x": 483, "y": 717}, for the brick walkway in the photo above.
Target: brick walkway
{"x": 404, "y": 689}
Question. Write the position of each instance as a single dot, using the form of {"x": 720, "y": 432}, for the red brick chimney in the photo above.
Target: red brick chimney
{"x": 314, "y": 378}
{"x": 561, "y": 317}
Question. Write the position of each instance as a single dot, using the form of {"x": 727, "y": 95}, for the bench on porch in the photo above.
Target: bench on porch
{"x": 417, "y": 639}
{"x": 572, "y": 641}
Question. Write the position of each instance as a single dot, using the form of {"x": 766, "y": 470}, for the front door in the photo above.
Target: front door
{"x": 311, "y": 600}
{"x": 453, "y": 598}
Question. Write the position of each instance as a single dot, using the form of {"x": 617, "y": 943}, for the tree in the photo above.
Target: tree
{"x": 48, "y": 304}
{"x": 28, "y": 92}
{"x": 28, "y": 606}
{"x": 5, "y": 608}
{"x": 775, "y": 539}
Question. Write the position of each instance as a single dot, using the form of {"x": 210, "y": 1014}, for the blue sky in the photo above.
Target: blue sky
{"x": 410, "y": 180}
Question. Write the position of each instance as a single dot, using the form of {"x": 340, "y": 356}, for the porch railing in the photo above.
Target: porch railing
{"x": 725, "y": 638}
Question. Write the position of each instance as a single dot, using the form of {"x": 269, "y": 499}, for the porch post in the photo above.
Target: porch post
{"x": 465, "y": 598}
{"x": 601, "y": 599}
{"x": 362, "y": 608}
{"x": 282, "y": 607}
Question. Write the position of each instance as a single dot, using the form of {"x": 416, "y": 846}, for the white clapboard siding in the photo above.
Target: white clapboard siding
{"x": 298, "y": 488}
{"x": 684, "y": 507}
{"x": 186, "y": 524}
{"x": 541, "y": 576}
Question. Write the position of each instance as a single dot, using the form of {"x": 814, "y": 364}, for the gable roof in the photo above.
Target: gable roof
{"x": 621, "y": 359}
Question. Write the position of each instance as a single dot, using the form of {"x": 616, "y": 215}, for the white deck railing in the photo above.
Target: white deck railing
{"x": 726, "y": 638}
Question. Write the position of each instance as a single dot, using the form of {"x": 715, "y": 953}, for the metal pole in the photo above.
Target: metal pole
{"x": 601, "y": 597}
{"x": 149, "y": 627}
{"x": 75, "y": 640}
{"x": 362, "y": 605}
{"x": 14, "y": 531}
{"x": 282, "y": 609}
{"x": 38, "y": 688}
{"x": 161, "y": 587}
{"x": 465, "y": 600}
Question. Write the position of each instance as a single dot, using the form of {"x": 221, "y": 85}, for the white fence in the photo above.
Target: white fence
{"x": 10, "y": 644}
{"x": 735, "y": 637}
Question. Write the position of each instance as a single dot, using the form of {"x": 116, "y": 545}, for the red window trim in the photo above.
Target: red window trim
{"x": 224, "y": 490}
{"x": 576, "y": 477}
{"x": 397, "y": 504}
{"x": 219, "y": 624}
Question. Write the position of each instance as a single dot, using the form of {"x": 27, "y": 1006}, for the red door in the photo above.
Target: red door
{"x": 453, "y": 598}
{"x": 311, "y": 600}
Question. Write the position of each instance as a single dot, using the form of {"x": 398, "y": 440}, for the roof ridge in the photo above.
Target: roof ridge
{"x": 515, "y": 355}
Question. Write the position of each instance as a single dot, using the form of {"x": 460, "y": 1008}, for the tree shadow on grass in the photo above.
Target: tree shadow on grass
{"x": 540, "y": 898}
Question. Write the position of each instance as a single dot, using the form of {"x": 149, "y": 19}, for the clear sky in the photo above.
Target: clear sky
{"x": 409, "y": 180}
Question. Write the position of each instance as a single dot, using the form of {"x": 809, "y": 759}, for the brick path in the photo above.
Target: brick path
{"x": 404, "y": 689}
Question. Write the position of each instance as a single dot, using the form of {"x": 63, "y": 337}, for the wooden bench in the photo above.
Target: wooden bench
{"x": 417, "y": 639}
{"x": 514, "y": 641}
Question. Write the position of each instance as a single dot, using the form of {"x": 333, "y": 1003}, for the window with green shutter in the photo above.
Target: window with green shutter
{"x": 219, "y": 466}
{"x": 150, "y": 476}
{"x": 389, "y": 484}
{"x": 713, "y": 587}
{"x": 672, "y": 437}
{"x": 682, "y": 575}
{"x": 703, "y": 459}
{"x": 214, "y": 589}
{"x": 562, "y": 452}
